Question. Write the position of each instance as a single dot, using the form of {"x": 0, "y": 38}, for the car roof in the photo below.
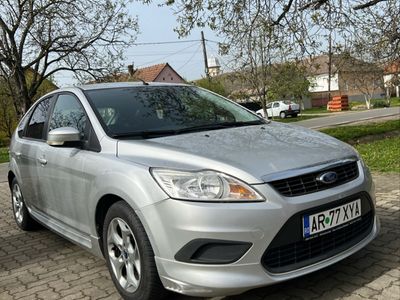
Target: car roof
{"x": 112, "y": 85}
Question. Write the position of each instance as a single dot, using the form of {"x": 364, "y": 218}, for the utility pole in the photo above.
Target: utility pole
{"x": 203, "y": 41}
{"x": 329, "y": 53}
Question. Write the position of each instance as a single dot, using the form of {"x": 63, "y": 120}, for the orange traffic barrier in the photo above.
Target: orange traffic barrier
{"x": 338, "y": 103}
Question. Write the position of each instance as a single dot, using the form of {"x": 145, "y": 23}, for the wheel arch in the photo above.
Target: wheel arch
{"x": 10, "y": 178}
{"x": 102, "y": 207}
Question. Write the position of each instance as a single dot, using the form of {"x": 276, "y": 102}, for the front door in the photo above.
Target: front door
{"x": 64, "y": 181}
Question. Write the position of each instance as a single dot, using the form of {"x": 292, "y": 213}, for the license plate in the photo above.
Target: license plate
{"x": 331, "y": 218}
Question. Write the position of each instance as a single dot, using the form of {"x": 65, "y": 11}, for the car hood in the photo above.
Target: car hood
{"x": 250, "y": 153}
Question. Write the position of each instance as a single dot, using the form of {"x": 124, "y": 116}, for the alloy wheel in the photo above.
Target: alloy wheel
{"x": 124, "y": 256}
{"x": 18, "y": 203}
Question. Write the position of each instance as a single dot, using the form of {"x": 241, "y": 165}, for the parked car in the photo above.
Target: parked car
{"x": 281, "y": 109}
{"x": 180, "y": 189}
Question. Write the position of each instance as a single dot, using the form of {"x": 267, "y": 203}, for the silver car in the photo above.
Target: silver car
{"x": 180, "y": 189}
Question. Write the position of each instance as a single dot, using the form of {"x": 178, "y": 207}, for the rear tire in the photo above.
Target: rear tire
{"x": 20, "y": 211}
{"x": 282, "y": 115}
{"x": 129, "y": 255}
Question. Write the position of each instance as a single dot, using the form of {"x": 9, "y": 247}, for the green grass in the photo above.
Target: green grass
{"x": 291, "y": 119}
{"x": 375, "y": 102}
{"x": 3, "y": 155}
{"x": 382, "y": 155}
{"x": 349, "y": 133}
{"x": 395, "y": 101}
{"x": 316, "y": 110}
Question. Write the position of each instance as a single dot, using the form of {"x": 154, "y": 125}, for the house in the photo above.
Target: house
{"x": 214, "y": 67}
{"x": 156, "y": 73}
{"x": 391, "y": 79}
{"x": 349, "y": 76}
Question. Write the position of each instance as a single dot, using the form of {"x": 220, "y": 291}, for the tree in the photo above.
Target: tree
{"x": 42, "y": 37}
{"x": 288, "y": 81}
{"x": 213, "y": 85}
{"x": 8, "y": 115}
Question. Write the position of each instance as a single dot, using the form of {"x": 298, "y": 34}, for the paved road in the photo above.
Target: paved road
{"x": 42, "y": 265}
{"x": 3, "y": 172}
{"x": 348, "y": 117}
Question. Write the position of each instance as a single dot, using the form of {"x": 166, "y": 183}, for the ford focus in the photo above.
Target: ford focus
{"x": 182, "y": 190}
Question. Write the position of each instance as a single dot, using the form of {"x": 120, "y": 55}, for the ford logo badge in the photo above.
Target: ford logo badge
{"x": 328, "y": 177}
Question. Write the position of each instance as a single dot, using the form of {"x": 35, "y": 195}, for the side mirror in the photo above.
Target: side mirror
{"x": 64, "y": 136}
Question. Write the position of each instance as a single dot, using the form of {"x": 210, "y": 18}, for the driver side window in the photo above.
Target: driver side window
{"x": 276, "y": 104}
{"x": 68, "y": 112}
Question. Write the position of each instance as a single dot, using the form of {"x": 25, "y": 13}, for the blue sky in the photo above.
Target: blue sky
{"x": 156, "y": 24}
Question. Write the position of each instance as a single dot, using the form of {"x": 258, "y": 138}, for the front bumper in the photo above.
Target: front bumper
{"x": 171, "y": 224}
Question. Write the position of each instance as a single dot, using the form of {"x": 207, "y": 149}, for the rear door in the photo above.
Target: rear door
{"x": 27, "y": 151}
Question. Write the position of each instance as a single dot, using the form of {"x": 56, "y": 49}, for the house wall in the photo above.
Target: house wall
{"x": 168, "y": 75}
{"x": 391, "y": 89}
{"x": 351, "y": 84}
{"x": 355, "y": 84}
{"x": 319, "y": 83}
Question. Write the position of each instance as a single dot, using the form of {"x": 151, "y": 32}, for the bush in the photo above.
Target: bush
{"x": 4, "y": 142}
{"x": 380, "y": 103}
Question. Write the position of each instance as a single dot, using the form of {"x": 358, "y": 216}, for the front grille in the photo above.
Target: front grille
{"x": 290, "y": 251}
{"x": 305, "y": 184}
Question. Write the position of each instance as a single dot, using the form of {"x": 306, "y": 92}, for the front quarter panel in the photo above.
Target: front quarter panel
{"x": 131, "y": 182}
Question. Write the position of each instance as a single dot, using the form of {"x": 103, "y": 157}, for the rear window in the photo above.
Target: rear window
{"x": 36, "y": 126}
{"x": 287, "y": 102}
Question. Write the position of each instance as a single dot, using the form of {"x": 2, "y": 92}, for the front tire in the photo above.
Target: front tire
{"x": 20, "y": 211}
{"x": 129, "y": 255}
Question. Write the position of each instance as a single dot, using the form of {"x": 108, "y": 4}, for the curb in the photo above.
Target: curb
{"x": 353, "y": 121}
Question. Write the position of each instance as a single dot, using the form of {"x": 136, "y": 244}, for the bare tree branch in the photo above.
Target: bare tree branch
{"x": 367, "y": 4}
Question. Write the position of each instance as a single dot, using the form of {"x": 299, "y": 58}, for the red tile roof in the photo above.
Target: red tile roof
{"x": 393, "y": 68}
{"x": 150, "y": 73}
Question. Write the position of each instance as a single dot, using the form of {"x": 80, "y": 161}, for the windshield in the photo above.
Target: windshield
{"x": 139, "y": 111}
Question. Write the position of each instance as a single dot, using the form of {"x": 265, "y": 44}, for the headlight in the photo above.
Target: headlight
{"x": 204, "y": 186}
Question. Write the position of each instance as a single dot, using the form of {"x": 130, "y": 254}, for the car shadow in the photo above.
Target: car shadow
{"x": 44, "y": 247}
{"x": 345, "y": 277}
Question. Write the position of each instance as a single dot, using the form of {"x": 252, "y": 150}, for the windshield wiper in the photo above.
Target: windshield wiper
{"x": 144, "y": 134}
{"x": 155, "y": 133}
{"x": 219, "y": 126}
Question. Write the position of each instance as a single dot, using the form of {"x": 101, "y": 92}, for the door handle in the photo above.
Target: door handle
{"x": 42, "y": 161}
{"x": 18, "y": 154}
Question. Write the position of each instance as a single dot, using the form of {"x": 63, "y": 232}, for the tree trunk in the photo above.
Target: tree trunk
{"x": 367, "y": 101}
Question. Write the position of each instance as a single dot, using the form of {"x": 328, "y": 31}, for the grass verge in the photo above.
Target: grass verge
{"x": 380, "y": 152}
{"x": 316, "y": 110}
{"x": 3, "y": 155}
{"x": 291, "y": 119}
{"x": 382, "y": 155}
{"x": 351, "y": 133}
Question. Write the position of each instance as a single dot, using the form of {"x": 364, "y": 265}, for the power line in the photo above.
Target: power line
{"x": 197, "y": 50}
{"x": 157, "y": 54}
{"x": 213, "y": 41}
{"x": 167, "y": 56}
{"x": 166, "y": 42}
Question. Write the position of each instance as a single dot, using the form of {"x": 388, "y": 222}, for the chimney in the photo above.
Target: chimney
{"x": 130, "y": 70}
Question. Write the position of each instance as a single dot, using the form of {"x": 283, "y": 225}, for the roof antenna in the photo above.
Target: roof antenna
{"x": 144, "y": 82}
